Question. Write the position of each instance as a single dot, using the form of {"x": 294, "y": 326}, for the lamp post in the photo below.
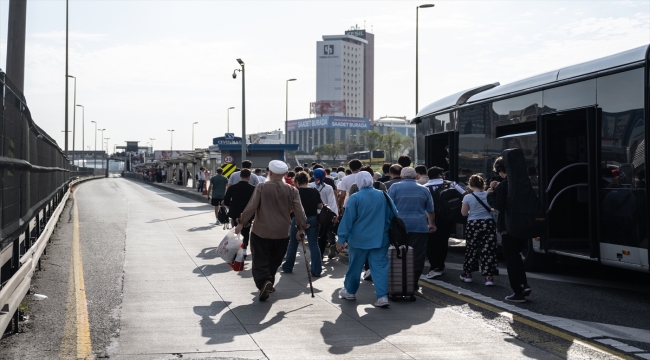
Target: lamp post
{"x": 243, "y": 106}
{"x": 74, "y": 115}
{"x": 107, "y": 143}
{"x": 417, "y": 108}
{"x": 83, "y": 130}
{"x": 66, "y": 78}
{"x": 228, "y": 126}
{"x": 194, "y": 123}
{"x": 152, "y": 139}
{"x": 95, "y": 152}
{"x": 102, "y": 130}
{"x": 171, "y": 142}
{"x": 286, "y": 118}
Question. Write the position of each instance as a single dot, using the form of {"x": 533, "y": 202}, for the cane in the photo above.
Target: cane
{"x": 304, "y": 253}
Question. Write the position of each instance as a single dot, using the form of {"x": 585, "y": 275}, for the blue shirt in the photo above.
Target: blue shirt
{"x": 476, "y": 210}
{"x": 413, "y": 201}
{"x": 362, "y": 225}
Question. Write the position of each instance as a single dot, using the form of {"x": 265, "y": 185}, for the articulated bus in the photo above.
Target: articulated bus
{"x": 377, "y": 156}
{"x": 582, "y": 129}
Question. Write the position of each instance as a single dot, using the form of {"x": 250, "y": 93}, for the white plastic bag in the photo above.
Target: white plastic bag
{"x": 229, "y": 246}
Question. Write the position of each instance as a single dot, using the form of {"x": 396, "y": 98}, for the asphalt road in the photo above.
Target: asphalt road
{"x": 570, "y": 289}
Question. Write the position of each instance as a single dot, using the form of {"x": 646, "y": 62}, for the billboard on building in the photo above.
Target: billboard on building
{"x": 322, "y": 122}
{"x": 327, "y": 107}
{"x": 167, "y": 154}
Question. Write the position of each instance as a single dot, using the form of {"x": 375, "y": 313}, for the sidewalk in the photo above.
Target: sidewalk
{"x": 181, "y": 299}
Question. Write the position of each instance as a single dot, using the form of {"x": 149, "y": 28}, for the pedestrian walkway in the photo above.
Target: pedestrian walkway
{"x": 180, "y": 298}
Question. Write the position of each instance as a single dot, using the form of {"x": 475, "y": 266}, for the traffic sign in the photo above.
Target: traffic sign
{"x": 228, "y": 159}
{"x": 228, "y": 169}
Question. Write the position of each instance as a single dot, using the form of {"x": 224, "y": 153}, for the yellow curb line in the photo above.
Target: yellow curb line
{"x": 84, "y": 347}
{"x": 526, "y": 321}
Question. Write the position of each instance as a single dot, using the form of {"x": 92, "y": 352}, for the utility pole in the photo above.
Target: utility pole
{"x": 66, "y": 77}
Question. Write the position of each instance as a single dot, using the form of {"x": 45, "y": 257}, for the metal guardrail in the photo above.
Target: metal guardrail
{"x": 35, "y": 177}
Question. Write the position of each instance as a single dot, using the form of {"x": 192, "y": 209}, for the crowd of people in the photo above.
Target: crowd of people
{"x": 350, "y": 210}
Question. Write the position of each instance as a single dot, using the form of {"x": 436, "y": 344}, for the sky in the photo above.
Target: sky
{"x": 145, "y": 67}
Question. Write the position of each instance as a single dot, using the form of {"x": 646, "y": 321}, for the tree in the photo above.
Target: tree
{"x": 396, "y": 144}
{"x": 349, "y": 145}
{"x": 333, "y": 151}
{"x": 371, "y": 139}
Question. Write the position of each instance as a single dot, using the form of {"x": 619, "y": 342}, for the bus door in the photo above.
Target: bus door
{"x": 441, "y": 150}
{"x": 569, "y": 158}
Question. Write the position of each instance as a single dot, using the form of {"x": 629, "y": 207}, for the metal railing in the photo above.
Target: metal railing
{"x": 36, "y": 175}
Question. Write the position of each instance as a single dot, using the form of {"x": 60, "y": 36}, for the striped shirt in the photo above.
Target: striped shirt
{"x": 413, "y": 201}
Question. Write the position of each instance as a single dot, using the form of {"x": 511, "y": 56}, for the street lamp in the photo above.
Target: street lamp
{"x": 102, "y": 130}
{"x": 95, "y": 153}
{"x": 194, "y": 123}
{"x": 417, "y": 108}
{"x": 74, "y": 115}
{"x": 243, "y": 106}
{"x": 83, "y": 131}
{"x": 171, "y": 143}
{"x": 228, "y": 128}
{"x": 286, "y": 118}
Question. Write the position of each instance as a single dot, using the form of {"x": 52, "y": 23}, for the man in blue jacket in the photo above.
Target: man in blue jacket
{"x": 366, "y": 231}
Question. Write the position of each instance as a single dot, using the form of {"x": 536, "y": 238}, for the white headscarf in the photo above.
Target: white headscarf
{"x": 341, "y": 175}
{"x": 364, "y": 179}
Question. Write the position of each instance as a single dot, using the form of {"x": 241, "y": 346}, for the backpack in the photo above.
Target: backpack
{"x": 447, "y": 202}
{"x": 223, "y": 215}
{"x": 525, "y": 216}
{"x": 397, "y": 234}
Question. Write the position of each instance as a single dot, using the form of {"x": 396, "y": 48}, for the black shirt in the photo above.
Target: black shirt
{"x": 384, "y": 178}
{"x": 237, "y": 197}
{"x": 310, "y": 198}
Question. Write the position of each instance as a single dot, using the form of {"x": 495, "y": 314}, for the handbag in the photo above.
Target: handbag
{"x": 397, "y": 234}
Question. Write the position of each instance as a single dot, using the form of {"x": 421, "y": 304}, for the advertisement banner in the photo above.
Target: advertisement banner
{"x": 324, "y": 122}
{"x": 327, "y": 107}
{"x": 166, "y": 154}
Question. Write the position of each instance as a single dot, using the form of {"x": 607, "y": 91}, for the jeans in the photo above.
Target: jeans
{"x": 200, "y": 186}
{"x": 312, "y": 236}
{"x": 378, "y": 260}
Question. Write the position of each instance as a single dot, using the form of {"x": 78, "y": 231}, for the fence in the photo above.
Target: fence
{"x": 35, "y": 178}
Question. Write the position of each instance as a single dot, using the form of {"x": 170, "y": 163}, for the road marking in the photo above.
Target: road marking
{"x": 77, "y": 297}
{"x": 534, "y": 324}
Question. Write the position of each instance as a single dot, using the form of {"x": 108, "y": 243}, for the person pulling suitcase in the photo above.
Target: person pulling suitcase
{"x": 365, "y": 226}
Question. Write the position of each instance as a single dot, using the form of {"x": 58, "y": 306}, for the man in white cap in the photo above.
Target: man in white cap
{"x": 271, "y": 205}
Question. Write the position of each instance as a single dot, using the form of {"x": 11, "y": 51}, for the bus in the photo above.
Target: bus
{"x": 582, "y": 130}
{"x": 378, "y": 156}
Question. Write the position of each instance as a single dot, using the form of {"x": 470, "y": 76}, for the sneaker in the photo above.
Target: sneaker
{"x": 527, "y": 290}
{"x": 346, "y": 295}
{"x": 434, "y": 273}
{"x": 367, "y": 276}
{"x": 217, "y": 223}
{"x": 518, "y": 298}
{"x": 489, "y": 281}
{"x": 466, "y": 277}
{"x": 264, "y": 291}
{"x": 332, "y": 252}
{"x": 382, "y": 302}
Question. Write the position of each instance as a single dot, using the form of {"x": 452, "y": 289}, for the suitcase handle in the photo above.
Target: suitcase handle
{"x": 404, "y": 250}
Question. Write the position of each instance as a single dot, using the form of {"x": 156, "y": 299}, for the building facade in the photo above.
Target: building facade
{"x": 345, "y": 73}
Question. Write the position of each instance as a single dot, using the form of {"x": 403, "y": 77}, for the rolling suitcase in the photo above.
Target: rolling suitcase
{"x": 401, "y": 274}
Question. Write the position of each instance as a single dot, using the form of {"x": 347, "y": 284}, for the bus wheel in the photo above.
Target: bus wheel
{"x": 533, "y": 261}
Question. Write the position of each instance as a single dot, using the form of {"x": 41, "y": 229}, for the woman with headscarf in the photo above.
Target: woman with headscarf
{"x": 365, "y": 227}
{"x": 326, "y": 233}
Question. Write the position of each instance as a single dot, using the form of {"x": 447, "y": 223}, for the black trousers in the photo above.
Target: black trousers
{"x": 418, "y": 241}
{"x": 438, "y": 244}
{"x": 267, "y": 257}
{"x": 512, "y": 253}
{"x": 245, "y": 232}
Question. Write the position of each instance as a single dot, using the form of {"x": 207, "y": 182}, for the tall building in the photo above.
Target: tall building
{"x": 345, "y": 75}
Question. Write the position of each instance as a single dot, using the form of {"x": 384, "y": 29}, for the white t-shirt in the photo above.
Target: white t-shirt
{"x": 326, "y": 196}
{"x": 201, "y": 175}
{"x": 476, "y": 210}
{"x": 236, "y": 177}
{"x": 346, "y": 184}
